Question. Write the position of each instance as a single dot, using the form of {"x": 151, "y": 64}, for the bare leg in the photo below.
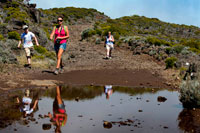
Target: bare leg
{"x": 108, "y": 52}
{"x": 35, "y": 104}
{"x": 29, "y": 60}
{"x": 58, "y": 95}
{"x": 59, "y": 55}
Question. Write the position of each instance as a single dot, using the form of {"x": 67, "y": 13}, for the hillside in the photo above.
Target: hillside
{"x": 141, "y": 43}
{"x": 14, "y": 14}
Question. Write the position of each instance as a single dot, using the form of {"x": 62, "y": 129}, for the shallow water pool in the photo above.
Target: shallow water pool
{"x": 103, "y": 109}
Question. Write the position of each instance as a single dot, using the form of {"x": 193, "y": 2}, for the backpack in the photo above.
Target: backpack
{"x": 65, "y": 29}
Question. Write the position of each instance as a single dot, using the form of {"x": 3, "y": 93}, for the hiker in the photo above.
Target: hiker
{"x": 60, "y": 43}
{"x": 109, "y": 43}
{"x": 59, "y": 117}
{"x": 108, "y": 91}
{"x": 27, "y": 37}
{"x": 27, "y": 105}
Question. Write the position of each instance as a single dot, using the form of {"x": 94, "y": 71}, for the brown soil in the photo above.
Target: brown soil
{"x": 84, "y": 64}
{"x": 120, "y": 77}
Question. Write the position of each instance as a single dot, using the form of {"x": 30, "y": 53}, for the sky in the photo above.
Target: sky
{"x": 174, "y": 11}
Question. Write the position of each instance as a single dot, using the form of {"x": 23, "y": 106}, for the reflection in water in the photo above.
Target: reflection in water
{"x": 108, "y": 91}
{"x": 27, "y": 106}
{"x": 123, "y": 110}
{"x": 59, "y": 117}
{"x": 189, "y": 120}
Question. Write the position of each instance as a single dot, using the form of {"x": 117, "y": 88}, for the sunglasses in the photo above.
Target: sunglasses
{"x": 60, "y": 20}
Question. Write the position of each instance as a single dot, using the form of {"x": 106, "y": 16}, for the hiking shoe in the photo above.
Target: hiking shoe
{"x": 56, "y": 72}
{"x": 107, "y": 58}
{"x": 61, "y": 70}
{"x": 27, "y": 66}
{"x": 110, "y": 57}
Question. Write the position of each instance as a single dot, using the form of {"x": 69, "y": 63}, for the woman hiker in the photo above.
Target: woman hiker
{"x": 60, "y": 43}
{"x": 59, "y": 116}
{"x": 109, "y": 45}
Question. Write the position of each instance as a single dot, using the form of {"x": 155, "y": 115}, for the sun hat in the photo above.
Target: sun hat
{"x": 25, "y": 27}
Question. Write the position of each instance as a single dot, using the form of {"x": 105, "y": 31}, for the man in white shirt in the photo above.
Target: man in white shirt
{"x": 27, "y": 37}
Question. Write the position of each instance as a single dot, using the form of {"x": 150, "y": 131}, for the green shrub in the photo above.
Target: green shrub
{"x": 170, "y": 62}
{"x": 1, "y": 37}
{"x": 87, "y": 33}
{"x": 99, "y": 32}
{"x": 178, "y": 48}
{"x": 13, "y": 35}
{"x": 168, "y": 50}
{"x": 16, "y": 13}
{"x": 50, "y": 55}
{"x": 116, "y": 35}
{"x": 156, "y": 41}
{"x": 197, "y": 51}
{"x": 40, "y": 49}
{"x": 38, "y": 57}
{"x": 190, "y": 93}
{"x": 192, "y": 43}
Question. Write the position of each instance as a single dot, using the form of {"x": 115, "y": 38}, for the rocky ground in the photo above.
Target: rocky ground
{"x": 85, "y": 64}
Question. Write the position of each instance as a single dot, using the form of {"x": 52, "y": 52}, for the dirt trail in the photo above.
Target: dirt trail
{"x": 84, "y": 64}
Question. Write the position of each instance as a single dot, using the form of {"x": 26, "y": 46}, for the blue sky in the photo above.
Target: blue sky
{"x": 174, "y": 11}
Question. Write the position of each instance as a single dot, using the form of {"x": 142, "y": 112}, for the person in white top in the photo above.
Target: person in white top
{"x": 27, "y": 37}
{"x": 26, "y": 104}
{"x": 109, "y": 45}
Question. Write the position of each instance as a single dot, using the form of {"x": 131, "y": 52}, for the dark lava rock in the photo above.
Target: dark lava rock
{"x": 46, "y": 126}
{"x": 161, "y": 99}
{"x": 130, "y": 121}
{"x": 25, "y": 122}
{"x": 165, "y": 127}
{"x": 15, "y": 129}
{"x": 77, "y": 99}
{"x": 140, "y": 110}
{"x": 123, "y": 123}
{"x": 107, "y": 125}
{"x": 32, "y": 119}
{"x": 80, "y": 116}
{"x": 40, "y": 116}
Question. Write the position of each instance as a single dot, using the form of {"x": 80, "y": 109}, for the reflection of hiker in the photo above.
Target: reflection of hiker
{"x": 60, "y": 43}
{"x": 59, "y": 117}
{"x": 27, "y": 37}
{"x": 108, "y": 91}
{"x": 26, "y": 104}
{"x": 109, "y": 45}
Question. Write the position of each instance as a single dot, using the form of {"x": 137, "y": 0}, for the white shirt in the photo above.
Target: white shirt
{"x": 27, "y": 101}
{"x": 27, "y": 37}
{"x": 108, "y": 40}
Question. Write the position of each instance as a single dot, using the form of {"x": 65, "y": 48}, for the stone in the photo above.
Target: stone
{"x": 107, "y": 124}
{"x": 161, "y": 99}
{"x": 46, "y": 126}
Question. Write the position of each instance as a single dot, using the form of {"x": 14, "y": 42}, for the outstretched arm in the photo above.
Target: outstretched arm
{"x": 36, "y": 41}
{"x": 112, "y": 39}
{"x": 20, "y": 41}
{"x": 65, "y": 119}
{"x": 52, "y": 33}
